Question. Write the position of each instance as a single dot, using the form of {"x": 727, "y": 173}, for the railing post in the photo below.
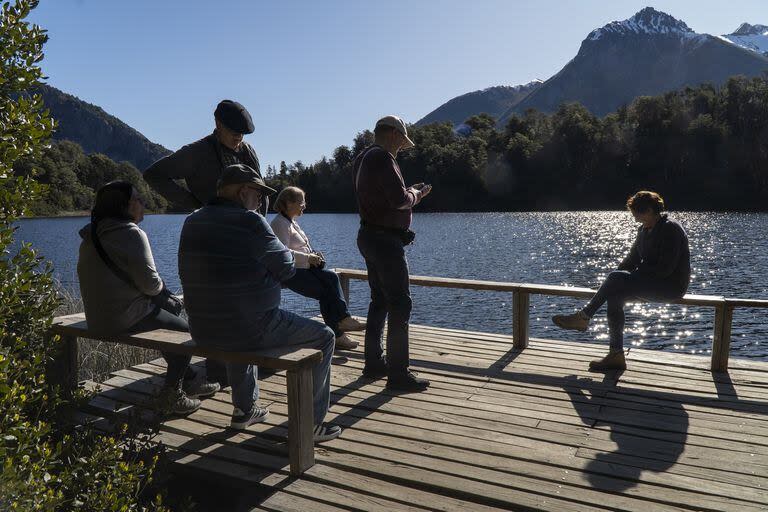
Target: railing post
{"x": 344, "y": 281}
{"x": 521, "y": 305}
{"x": 721, "y": 340}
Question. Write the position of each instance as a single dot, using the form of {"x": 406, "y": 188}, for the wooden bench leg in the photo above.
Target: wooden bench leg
{"x": 301, "y": 447}
{"x": 65, "y": 371}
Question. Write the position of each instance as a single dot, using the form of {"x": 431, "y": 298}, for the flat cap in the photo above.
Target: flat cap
{"x": 237, "y": 174}
{"x": 234, "y": 116}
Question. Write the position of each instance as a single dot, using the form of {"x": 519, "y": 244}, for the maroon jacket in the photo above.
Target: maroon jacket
{"x": 382, "y": 198}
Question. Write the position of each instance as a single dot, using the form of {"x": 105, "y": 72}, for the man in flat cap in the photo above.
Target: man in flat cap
{"x": 232, "y": 267}
{"x": 201, "y": 163}
{"x": 385, "y": 205}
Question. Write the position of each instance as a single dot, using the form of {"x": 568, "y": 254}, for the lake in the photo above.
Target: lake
{"x": 729, "y": 256}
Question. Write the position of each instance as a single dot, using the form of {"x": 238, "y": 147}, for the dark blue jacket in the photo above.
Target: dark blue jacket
{"x": 231, "y": 266}
{"x": 661, "y": 253}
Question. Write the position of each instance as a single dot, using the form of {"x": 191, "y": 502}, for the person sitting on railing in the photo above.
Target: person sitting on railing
{"x": 122, "y": 291}
{"x": 312, "y": 279}
{"x": 232, "y": 267}
{"x": 657, "y": 267}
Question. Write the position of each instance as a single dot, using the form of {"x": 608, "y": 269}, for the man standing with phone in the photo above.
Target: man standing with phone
{"x": 385, "y": 206}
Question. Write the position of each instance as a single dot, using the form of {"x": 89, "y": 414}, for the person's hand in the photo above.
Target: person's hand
{"x": 316, "y": 260}
{"x": 424, "y": 190}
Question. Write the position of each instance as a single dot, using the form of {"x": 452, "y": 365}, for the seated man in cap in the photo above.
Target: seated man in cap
{"x": 232, "y": 267}
{"x": 200, "y": 165}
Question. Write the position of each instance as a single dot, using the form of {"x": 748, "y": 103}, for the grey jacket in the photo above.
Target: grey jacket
{"x": 199, "y": 164}
{"x": 232, "y": 267}
{"x": 111, "y": 305}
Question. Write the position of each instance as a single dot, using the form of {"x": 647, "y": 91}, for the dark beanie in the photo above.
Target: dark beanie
{"x": 234, "y": 116}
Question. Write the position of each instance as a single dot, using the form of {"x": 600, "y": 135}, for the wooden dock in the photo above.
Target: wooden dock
{"x": 499, "y": 429}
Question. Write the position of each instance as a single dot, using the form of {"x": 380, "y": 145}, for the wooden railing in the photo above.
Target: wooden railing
{"x": 521, "y": 294}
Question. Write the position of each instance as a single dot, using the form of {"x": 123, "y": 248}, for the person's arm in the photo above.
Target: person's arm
{"x": 161, "y": 175}
{"x": 134, "y": 256}
{"x": 392, "y": 187}
{"x": 270, "y": 251}
{"x": 282, "y": 230}
{"x": 670, "y": 249}
{"x": 631, "y": 260}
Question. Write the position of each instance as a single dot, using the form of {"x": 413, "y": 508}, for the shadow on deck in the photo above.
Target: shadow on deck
{"x": 498, "y": 429}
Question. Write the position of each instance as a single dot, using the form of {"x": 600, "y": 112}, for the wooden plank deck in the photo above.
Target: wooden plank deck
{"x": 499, "y": 429}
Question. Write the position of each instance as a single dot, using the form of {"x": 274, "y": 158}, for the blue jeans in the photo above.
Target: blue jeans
{"x": 323, "y": 285}
{"x": 620, "y": 287}
{"x": 284, "y": 329}
{"x": 390, "y": 297}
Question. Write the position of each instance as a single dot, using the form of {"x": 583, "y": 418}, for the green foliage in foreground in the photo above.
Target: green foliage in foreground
{"x": 46, "y": 463}
{"x": 702, "y": 148}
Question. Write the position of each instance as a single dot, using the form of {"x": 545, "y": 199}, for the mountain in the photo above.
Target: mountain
{"x": 648, "y": 54}
{"x": 97, "y": 131}
{"x": 751, "y": 37}
{"x": 493, "y": 100}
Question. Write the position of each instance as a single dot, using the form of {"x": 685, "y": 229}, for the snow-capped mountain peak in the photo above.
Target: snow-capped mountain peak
{"x": 649, "y": 21}
{"x": 750, "y": 37}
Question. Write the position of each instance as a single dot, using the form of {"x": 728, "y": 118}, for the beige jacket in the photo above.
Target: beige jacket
{"x": 294, "y": 238}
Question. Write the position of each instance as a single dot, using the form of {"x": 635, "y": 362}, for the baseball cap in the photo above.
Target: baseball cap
{"x": 237, "y": 174}
{"x": 398, "y": 124}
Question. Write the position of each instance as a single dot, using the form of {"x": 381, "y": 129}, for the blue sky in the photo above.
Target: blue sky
{"x": 313, "y": 73}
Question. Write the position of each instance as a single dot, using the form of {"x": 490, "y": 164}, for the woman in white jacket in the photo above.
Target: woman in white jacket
{"x": 312, "y": 279}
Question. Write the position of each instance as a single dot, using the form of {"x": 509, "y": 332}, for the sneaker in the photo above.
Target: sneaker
{"x": 175, "y": 401}
{"x": 349, "y": 324}
{"x": 578, "y": 321}
{"x": 201, "y": 390}
{"x": 376, "y": 370}
{"x": 326, "y": 432}
{"x": 344, "y": 342}
{"x": 241, "y": 420}
{"x": 613, "y": 361}
{"x": 407, "y": 382}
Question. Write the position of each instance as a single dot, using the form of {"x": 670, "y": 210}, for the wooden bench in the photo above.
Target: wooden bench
{"x": 297, "y": 362}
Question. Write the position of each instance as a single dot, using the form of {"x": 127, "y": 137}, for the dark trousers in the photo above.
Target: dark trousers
{"x": 323, "y": 285}
{"x": 390, "y": 298}
{"x": 622, "y": 286}
{"x": 177, "y": 363}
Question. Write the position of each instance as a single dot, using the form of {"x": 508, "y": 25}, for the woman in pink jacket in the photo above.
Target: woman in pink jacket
{"x": 312, "y": 279}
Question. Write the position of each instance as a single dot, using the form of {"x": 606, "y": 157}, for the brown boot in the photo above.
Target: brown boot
{"x": 575, "y": 322}
{"x": 344, "y": 342}
{"x": 613, "y": 361}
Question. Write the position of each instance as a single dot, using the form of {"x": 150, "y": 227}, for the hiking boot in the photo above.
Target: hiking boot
{"x": 174, "y": 401}
{"x": 613, "y": 361}
{"x": 376, "y": 370}
{"x": 241, "y": 420}
{"x": 326, "y": 432}
{"x": 349, "y": 324}
{"x": 578, "y": 321}
{"x": 344, "y": 342}
{"x": 407, "y": 382}
{"x": 201, "y": 390}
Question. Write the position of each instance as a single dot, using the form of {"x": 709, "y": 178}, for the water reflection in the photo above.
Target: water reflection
{"x": 728, "y": 256}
